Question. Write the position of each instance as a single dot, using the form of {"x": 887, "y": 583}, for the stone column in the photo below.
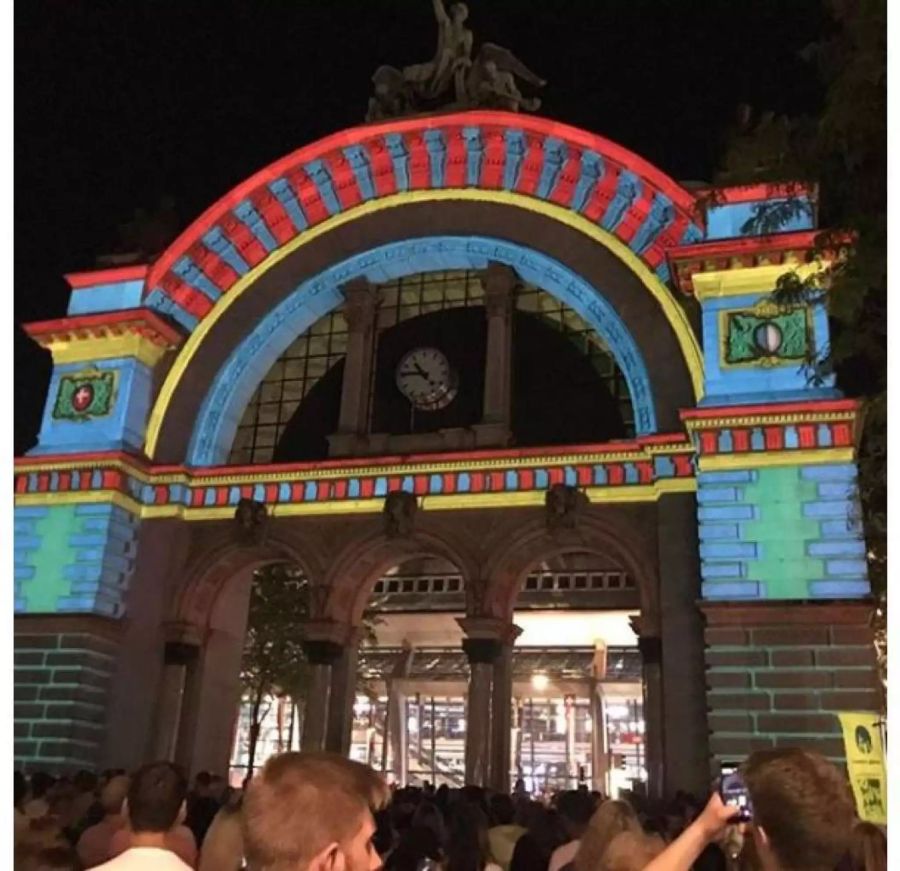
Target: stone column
{"x": 499, "y": 302}
{"x": 178, "y": 657}
{"x": 343, "y": 697}
{"x": 315, "y": 713}
{"x": 501, "y": 710}
{"x": 481, "y": 654}
{"x": 686, "y": 749}
{"x": 321, "y": 655}
{"x": 190, "y": 713}
{"x": 650, "y": 647}
{"x": 397, "y": 729}
{"x": 360, "y": 309}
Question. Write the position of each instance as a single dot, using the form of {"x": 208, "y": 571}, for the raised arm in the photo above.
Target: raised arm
{"x": 440, "y": 13}
{"x": 681, "y": 854}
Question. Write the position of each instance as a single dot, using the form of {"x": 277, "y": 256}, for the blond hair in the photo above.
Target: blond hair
{"x": 301, "y": 803}
{"x": 631, "y": 851}
{"x": 612, "y": 818}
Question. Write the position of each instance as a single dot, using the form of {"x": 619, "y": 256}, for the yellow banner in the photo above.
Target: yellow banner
{"x": 865, "y": 763}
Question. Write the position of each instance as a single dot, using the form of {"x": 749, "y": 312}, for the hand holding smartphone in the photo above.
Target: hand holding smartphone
{"x": 735, "y": 794}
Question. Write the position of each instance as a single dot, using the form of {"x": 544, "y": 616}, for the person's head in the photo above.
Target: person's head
{"x": 544, "y": 826}
{"x": 85, "y": 781}
{"x": 48, "y": 859}
{"x": 113, "y": 795}
{"x": 218, "y": 787}
{"x": 41, "y": 783}
{"x": 156, "y": 795}
{"x": 312, "y": 811}
{"x": 202, "y": 781}
{"x": 467, "y": 842}
{"x": 576, "y": 810}
{"x": 20, "y": 789}
{"x": 612, "y": 818}
{"x": 803, "y": 813}
{"x": 868, "y": 848}
{"x": 503, "y": 811}
{"x": 428, "y": 816}
{"x": 631, "y": 851}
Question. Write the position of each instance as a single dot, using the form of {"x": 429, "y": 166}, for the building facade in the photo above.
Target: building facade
{"x": 474, "y": 346}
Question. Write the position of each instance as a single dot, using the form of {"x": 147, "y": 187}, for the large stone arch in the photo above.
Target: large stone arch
{"x": 532, "y": 542}
{"x": 240, "y": 375}
{"x": 223, "y": 561}
{"x": 353, "y": 574}
{"x": 596, "y": 218}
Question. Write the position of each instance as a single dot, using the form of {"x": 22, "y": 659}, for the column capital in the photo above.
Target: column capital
{"x": 180, "y": 633}
{"x": 180, "y": 653}
{"x": 341, "y": 634}
{"x": 361, "y": 300}
{"x": 486, "y": 637}
{"x": 321, "y": 652}
{"x": 492, "y": 628}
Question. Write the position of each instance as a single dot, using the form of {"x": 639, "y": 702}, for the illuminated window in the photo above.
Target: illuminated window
{"x": 324, "y": 345}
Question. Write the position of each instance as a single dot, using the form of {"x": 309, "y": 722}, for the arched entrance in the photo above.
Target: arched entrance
{"x": 129, "y": 515}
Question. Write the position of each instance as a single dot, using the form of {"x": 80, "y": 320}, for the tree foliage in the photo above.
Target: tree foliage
{"x": 273, "y": 663}
{"x": 843, "y": 150}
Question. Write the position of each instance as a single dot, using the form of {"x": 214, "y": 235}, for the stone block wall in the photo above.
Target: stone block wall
{"x": 73, "y": 558}
{"x": 781, "y": 532}
{"x": 62, "y": 674}
{"x": 777, "y": 674}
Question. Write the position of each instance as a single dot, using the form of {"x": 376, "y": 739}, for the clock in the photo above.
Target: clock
{"x": 426, "y": 379}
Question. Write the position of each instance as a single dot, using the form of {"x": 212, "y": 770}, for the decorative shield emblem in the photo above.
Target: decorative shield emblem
{"x": 82, "y": 398}
{"x": 85, "y": 395}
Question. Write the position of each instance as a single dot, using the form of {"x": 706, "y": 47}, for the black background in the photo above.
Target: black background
{"x": 121, "y": 102}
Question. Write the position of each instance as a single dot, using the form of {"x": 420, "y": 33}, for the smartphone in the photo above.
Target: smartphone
{"x": 733, "y": 791}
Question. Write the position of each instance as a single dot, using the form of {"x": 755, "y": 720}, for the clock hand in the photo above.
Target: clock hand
{"x": 409, "y": 373}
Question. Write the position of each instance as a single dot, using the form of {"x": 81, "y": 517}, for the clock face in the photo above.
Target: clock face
{"x": 425, "y": 378}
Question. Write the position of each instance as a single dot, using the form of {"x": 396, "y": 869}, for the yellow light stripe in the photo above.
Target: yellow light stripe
{"x": 700, "y": 423}
{"x": 676, "y": 316}
{"x": 726, "y": 462}
{"x": 437, "y": 502}
{"x": 752, "y": 279}
{"x": 92, "y": 497}
{"x": 110, "y": 348}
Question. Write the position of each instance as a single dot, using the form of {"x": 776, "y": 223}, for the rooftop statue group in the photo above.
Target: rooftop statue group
{"x": 453, "y": 79}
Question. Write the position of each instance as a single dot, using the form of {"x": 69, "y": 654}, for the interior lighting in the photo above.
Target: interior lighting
{"x": 540, "y": 682}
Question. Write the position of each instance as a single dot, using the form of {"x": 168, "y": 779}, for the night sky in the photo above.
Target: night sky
{"x": 121, "y": 103}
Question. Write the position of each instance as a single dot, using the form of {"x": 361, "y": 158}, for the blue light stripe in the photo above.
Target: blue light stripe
{"x": 218, "y": 243}
{"x": 358, "y": 158}
{"x": 284, "y": 193}
{"x": 253, "y": 221}
{"x": 321, "y": 177}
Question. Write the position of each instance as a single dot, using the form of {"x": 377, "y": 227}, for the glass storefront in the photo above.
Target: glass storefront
{"x": 552, "y": 741}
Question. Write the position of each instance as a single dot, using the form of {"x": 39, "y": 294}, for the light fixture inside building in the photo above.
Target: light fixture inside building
{"x": 540, "y": 682}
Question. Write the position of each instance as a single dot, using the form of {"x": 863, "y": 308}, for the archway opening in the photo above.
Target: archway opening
{"x": 577, "y": 715}
{"x": 409, "y": 713}
{"x": 274, "y": 676}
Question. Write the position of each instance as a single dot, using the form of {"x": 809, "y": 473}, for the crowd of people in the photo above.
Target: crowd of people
{"x": 321, "y": 812}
